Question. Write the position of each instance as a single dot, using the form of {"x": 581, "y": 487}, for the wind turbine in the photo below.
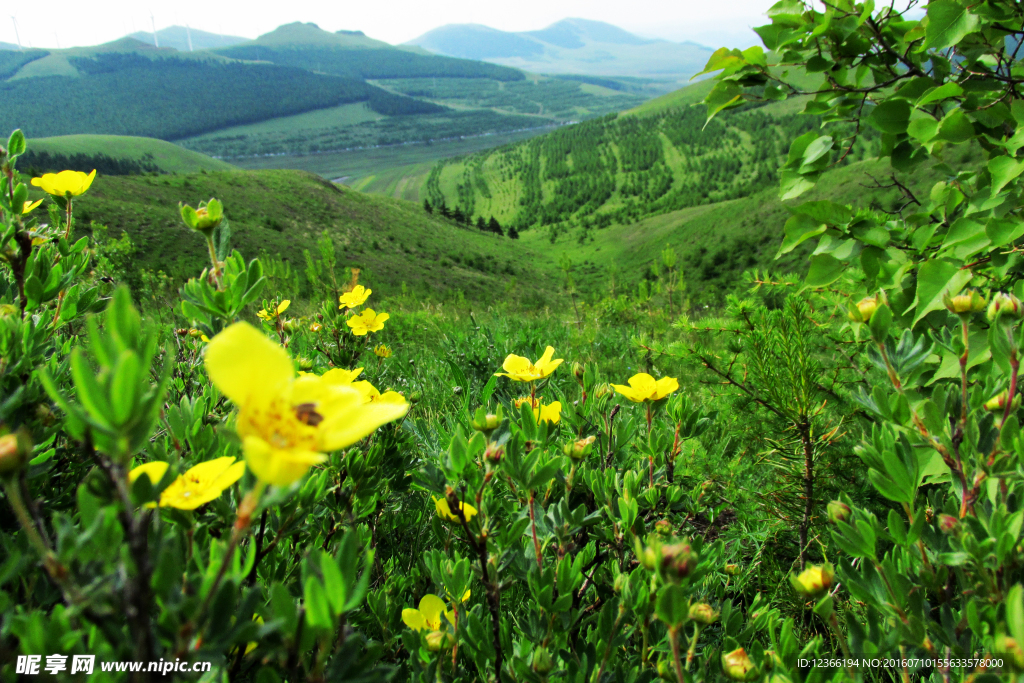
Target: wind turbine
{"x": 156, "y": 41}
{"x": 17, "y": 36}
{"x": 188, "y": 33}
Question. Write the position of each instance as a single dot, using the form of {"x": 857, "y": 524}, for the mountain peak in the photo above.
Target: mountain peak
{"x": 298, "y": 34}
{"x": 574, "y": 33}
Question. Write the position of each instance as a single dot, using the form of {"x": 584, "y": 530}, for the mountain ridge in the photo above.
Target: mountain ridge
{"x": 570, "y": 46}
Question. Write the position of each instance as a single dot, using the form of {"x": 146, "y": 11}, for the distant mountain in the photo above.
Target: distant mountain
{"x": 353, "y": 55}
{"x": 178, "y": 38}
{"x": 8, "y": 46}
{"x": 570, "y": 46}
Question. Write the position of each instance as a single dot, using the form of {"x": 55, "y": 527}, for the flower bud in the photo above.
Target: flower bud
{"x": 289, "y": 325}
{"x": 648, "y": 558}
{"x": 814, "y": 581}
{"x": 416, "y": 397}
{"x": 15, "y": 450}
{"x": 997, "y": 403}
{"x": 965, "y": 302}
{"x": 44, "y": 414}
{"x": 703, "y": 613}
{"x": 663, "y": 527}
{"x": 677, "y": 561}
{"x": 864, "y": 309}
{"x": 437, "y": 640}
{"x": 1005, "y": 306}
{"x": 579, "y": 449}
{"x": 182, "y": 331}
{"x": 315, "y": 327}
{"x": 485, "y": 423}
{"x": 603, "y": 391}
{"x": 948, "y": 524}
{"x": 205, "y": 218}
{"x": 1009, "y": 646}
{"x": 541, "y": 661}
{"x": 838, "y": 511}
{"x": 737, "y": 665}
{"x": 666, "y": 672}
{"x": 194, "y": 333}
{"x": 494, "y": 453}
{"x": 620, "y": 583}
{"x": 304, "y": 363}
{"x": 578, "y": 370}
{"x": 731, "y": 569}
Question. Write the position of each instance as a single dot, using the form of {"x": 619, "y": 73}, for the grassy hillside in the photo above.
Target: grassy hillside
{"x": 165, "y": 156}
{"x": 187, "y": 39}
{"x": 280, "y": 213}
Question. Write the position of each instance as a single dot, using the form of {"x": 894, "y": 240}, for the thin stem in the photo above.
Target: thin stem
{"x": 692, "y": 650}
{"x": 673, "y": 637}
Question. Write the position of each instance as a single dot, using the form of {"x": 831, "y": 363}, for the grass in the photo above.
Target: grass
{"x": 170, "y": 158}
{"x": 280, "y": 213}
{"x": 331, "y": 117}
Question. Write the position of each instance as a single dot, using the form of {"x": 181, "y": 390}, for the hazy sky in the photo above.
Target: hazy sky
{"x": 65, "y": 23}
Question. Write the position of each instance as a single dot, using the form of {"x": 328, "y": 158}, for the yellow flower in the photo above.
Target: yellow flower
{"x": 542, "y": 413}
{"x": 813, "y": 581}
{"x": 65, "y": 183}
{"x": 276, "y": 313}
{"x": 372, "y": 395}
{"x": 367, "y": 321}
{"x": 286, "y": 422}
{"x": 341, "y": 376}
{"x": 198, "y": 486}
{"x": 465, "y": 596}
{"x": 429, "y": 617}
{"x": 642, "y": 387}
{"x": 356, "y": 297}
{"x": 315, "y": 327}
{"x": 441, "y": 505}
{"x": 522, "y": 370}
{"x": 28, "y": 207}
{"x": 382, "y": 351}
{"x": 737, "y": 665}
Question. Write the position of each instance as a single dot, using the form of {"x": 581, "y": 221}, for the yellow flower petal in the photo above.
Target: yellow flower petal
{"x": 65, "y": 183}
{"x": 413, "y": 618}
{"x": 432, "y": 608}
{"x": 155, "y": 470}
{"x": 341, "y": 376}
{"x": 356, "y": 297}
{"x": 246, "y": 366}
{"x": 521, "y": 369}
{"x": 28, "y": 207}
{"x": 276, "y": 466}
{"x": 344, "y": 429}
{"x": 283, "y": 306}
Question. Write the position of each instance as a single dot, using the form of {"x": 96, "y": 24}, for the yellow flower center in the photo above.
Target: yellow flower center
{"x": 284, "y": 427}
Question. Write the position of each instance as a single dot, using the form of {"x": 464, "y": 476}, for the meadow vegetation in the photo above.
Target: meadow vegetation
{"x": 303, "y": 467}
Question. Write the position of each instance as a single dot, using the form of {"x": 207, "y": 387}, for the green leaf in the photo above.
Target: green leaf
{"x": 955, "y": 127}
{"x": 1015, "y": 612}
{"x": 725, "y": 95}
{"x": 825, "y": 269}
{"x": 333, "y": 583}
{"x": 673, "y": 606}
{"x": 799, "y": 228}
{"x": 942, "y": 92}
{"x": 948, "y": 23}
{"x": 16, "y": 144}
{"x": 317, "y": 611}
{"x": 891, "y": 116}
{"x": 935, "y": 278}
{"x": 1003, "y": 170}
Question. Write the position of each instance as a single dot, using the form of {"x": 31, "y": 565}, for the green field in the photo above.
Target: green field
{"x": 170, "y": 158}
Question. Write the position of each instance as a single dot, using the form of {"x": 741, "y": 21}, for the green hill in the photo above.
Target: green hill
{"x": 187, "y": 39}
{"x": 353, "y": 55}
{"x": 76, "y": 152}
{"x": 280, "y": 213}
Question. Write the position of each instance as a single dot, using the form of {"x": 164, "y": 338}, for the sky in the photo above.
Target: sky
{"x": 61, "y": 23}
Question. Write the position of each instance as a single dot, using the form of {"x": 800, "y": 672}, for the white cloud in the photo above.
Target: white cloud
{"x": 394, "y": 21}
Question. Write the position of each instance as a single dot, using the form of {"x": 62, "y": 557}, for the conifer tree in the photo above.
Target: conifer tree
{"x": 494, "y": 226}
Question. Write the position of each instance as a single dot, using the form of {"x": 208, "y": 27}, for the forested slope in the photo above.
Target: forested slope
{"x": 621, "y": 168}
